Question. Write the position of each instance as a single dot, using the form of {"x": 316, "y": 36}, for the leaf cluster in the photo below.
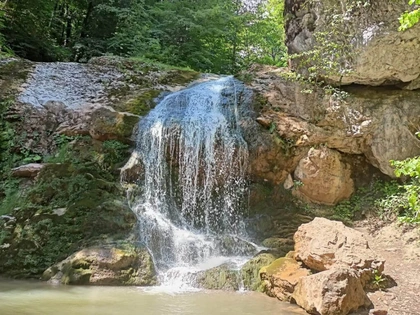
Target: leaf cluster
{"x": 410, "y": 18}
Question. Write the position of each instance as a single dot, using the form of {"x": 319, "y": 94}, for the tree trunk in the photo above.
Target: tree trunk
{"x": 68, "y": 27}
{"x": 89, "y": 11}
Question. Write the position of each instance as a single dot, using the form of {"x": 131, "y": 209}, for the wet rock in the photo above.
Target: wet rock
{"x": 47, "y": 227}
{"x": 230, "y": 245}
{"x": 222, "y": 277}
{"x": 250, "y": 272}
{"x": 279, "y": 245}
{"x": 278, "y": 242}
{"x": 336, "y": 291}
{"x": 281, "y": 277}
{"x": 27, "y": 170}
{"x": 107, "y": 124}
{"x": 323, "y": 244}
{"x": 324, "y": 178}
{"x": 133, "y": 170}
{"x": 105, "y": 265}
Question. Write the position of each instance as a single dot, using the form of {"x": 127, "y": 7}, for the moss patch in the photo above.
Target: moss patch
{"x": 95, "y": 209}
{"x": 142, "y": 103}
{"x": 179, "y": 77}
{"x": 250, "y": 272}
{"x": 278, "y": 265}
{"x": 219, "y": 278}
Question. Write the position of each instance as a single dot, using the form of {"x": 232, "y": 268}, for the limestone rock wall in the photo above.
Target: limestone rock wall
{"x": 366, "y": 31}
{"x": 355, "y": 123}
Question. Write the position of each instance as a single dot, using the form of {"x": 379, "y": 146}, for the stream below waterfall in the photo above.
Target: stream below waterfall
{"x": 39, "y": 298}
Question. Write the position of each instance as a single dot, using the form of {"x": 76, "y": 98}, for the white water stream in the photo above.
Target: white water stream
{"x": 193, "y": 187}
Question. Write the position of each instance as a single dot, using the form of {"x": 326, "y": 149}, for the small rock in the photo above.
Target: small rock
{"x": 7, "y": 217}
{"x": 378, "y": 312}
{"x": 133, "y": 170}
{"x": 28, "y": 170}
{"x": 288, "y": 183}
{"x": 263, "y": 121}
{"x": 60, "y": 211}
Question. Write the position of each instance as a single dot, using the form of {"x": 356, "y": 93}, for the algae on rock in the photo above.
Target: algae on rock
{"x": 108, "y": 264}
{"x": 95, "y": 209}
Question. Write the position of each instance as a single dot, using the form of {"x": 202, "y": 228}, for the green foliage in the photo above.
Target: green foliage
{"x": 378, "y": 280}
{"x": 12, "y": 196}
{"x": 409, "y": 19}
{"x": 113, "y": 153}
{"x": 205, "y": 35}
{"x": 361, "y": 200}
{"x": 85, "y": 188}
{"x": 411, "y": 188}
{"x": 3, "y": 48}
{"x": 382, "y": 197}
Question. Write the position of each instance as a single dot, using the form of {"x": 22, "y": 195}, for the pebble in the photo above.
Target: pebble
{"x": 378, "y": 312}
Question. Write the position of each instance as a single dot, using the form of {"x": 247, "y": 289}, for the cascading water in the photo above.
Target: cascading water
{"x": 192, "y": 190}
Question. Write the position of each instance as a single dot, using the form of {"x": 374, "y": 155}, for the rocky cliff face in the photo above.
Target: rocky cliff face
{"x": 68, "y": 128}
{"x": 379, "y": 123}
{"x": 326, "y": 136}
{"x": 367, "y": 37}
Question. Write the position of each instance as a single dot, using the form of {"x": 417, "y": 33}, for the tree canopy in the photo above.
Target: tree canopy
{"x": 205, "y": 35}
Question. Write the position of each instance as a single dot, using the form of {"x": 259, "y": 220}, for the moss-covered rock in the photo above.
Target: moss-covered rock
{"x": 13, "y": 72}
{"x": 73, "y": 204}
{"x": 281, "y": 277}
{"x": 281, "y": 246}
{"x": 107, "y": 124}
{"x": 250, "y": 272}
{"x": 222, "y": 277}
{"x": 111, "y": 264}
{"x": 141, "y": 104}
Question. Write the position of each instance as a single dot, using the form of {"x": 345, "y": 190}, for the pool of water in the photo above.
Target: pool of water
{"x": 27, "y": 297}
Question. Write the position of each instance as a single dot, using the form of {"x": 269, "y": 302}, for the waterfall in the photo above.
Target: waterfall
{"x": 193, "y": 187}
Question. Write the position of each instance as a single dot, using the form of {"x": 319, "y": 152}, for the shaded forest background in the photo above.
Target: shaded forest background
{"x": 221, "y": 36}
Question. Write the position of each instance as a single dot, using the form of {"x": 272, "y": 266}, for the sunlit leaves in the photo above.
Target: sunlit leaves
{"x": 409, "y": 19}
{"x": 410, "y": 168}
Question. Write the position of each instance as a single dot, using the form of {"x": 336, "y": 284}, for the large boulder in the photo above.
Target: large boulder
{"x": 105, "y": 265}
{"x": 324, "y": 177}
{"x": 323, "y": 244}
{"x": 331, "y": 292}
{"x": 367, "y": 38}
{"x": 281, "y": 277}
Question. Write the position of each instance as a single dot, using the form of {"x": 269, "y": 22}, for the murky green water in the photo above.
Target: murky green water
{"x": 25, "y": 297}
